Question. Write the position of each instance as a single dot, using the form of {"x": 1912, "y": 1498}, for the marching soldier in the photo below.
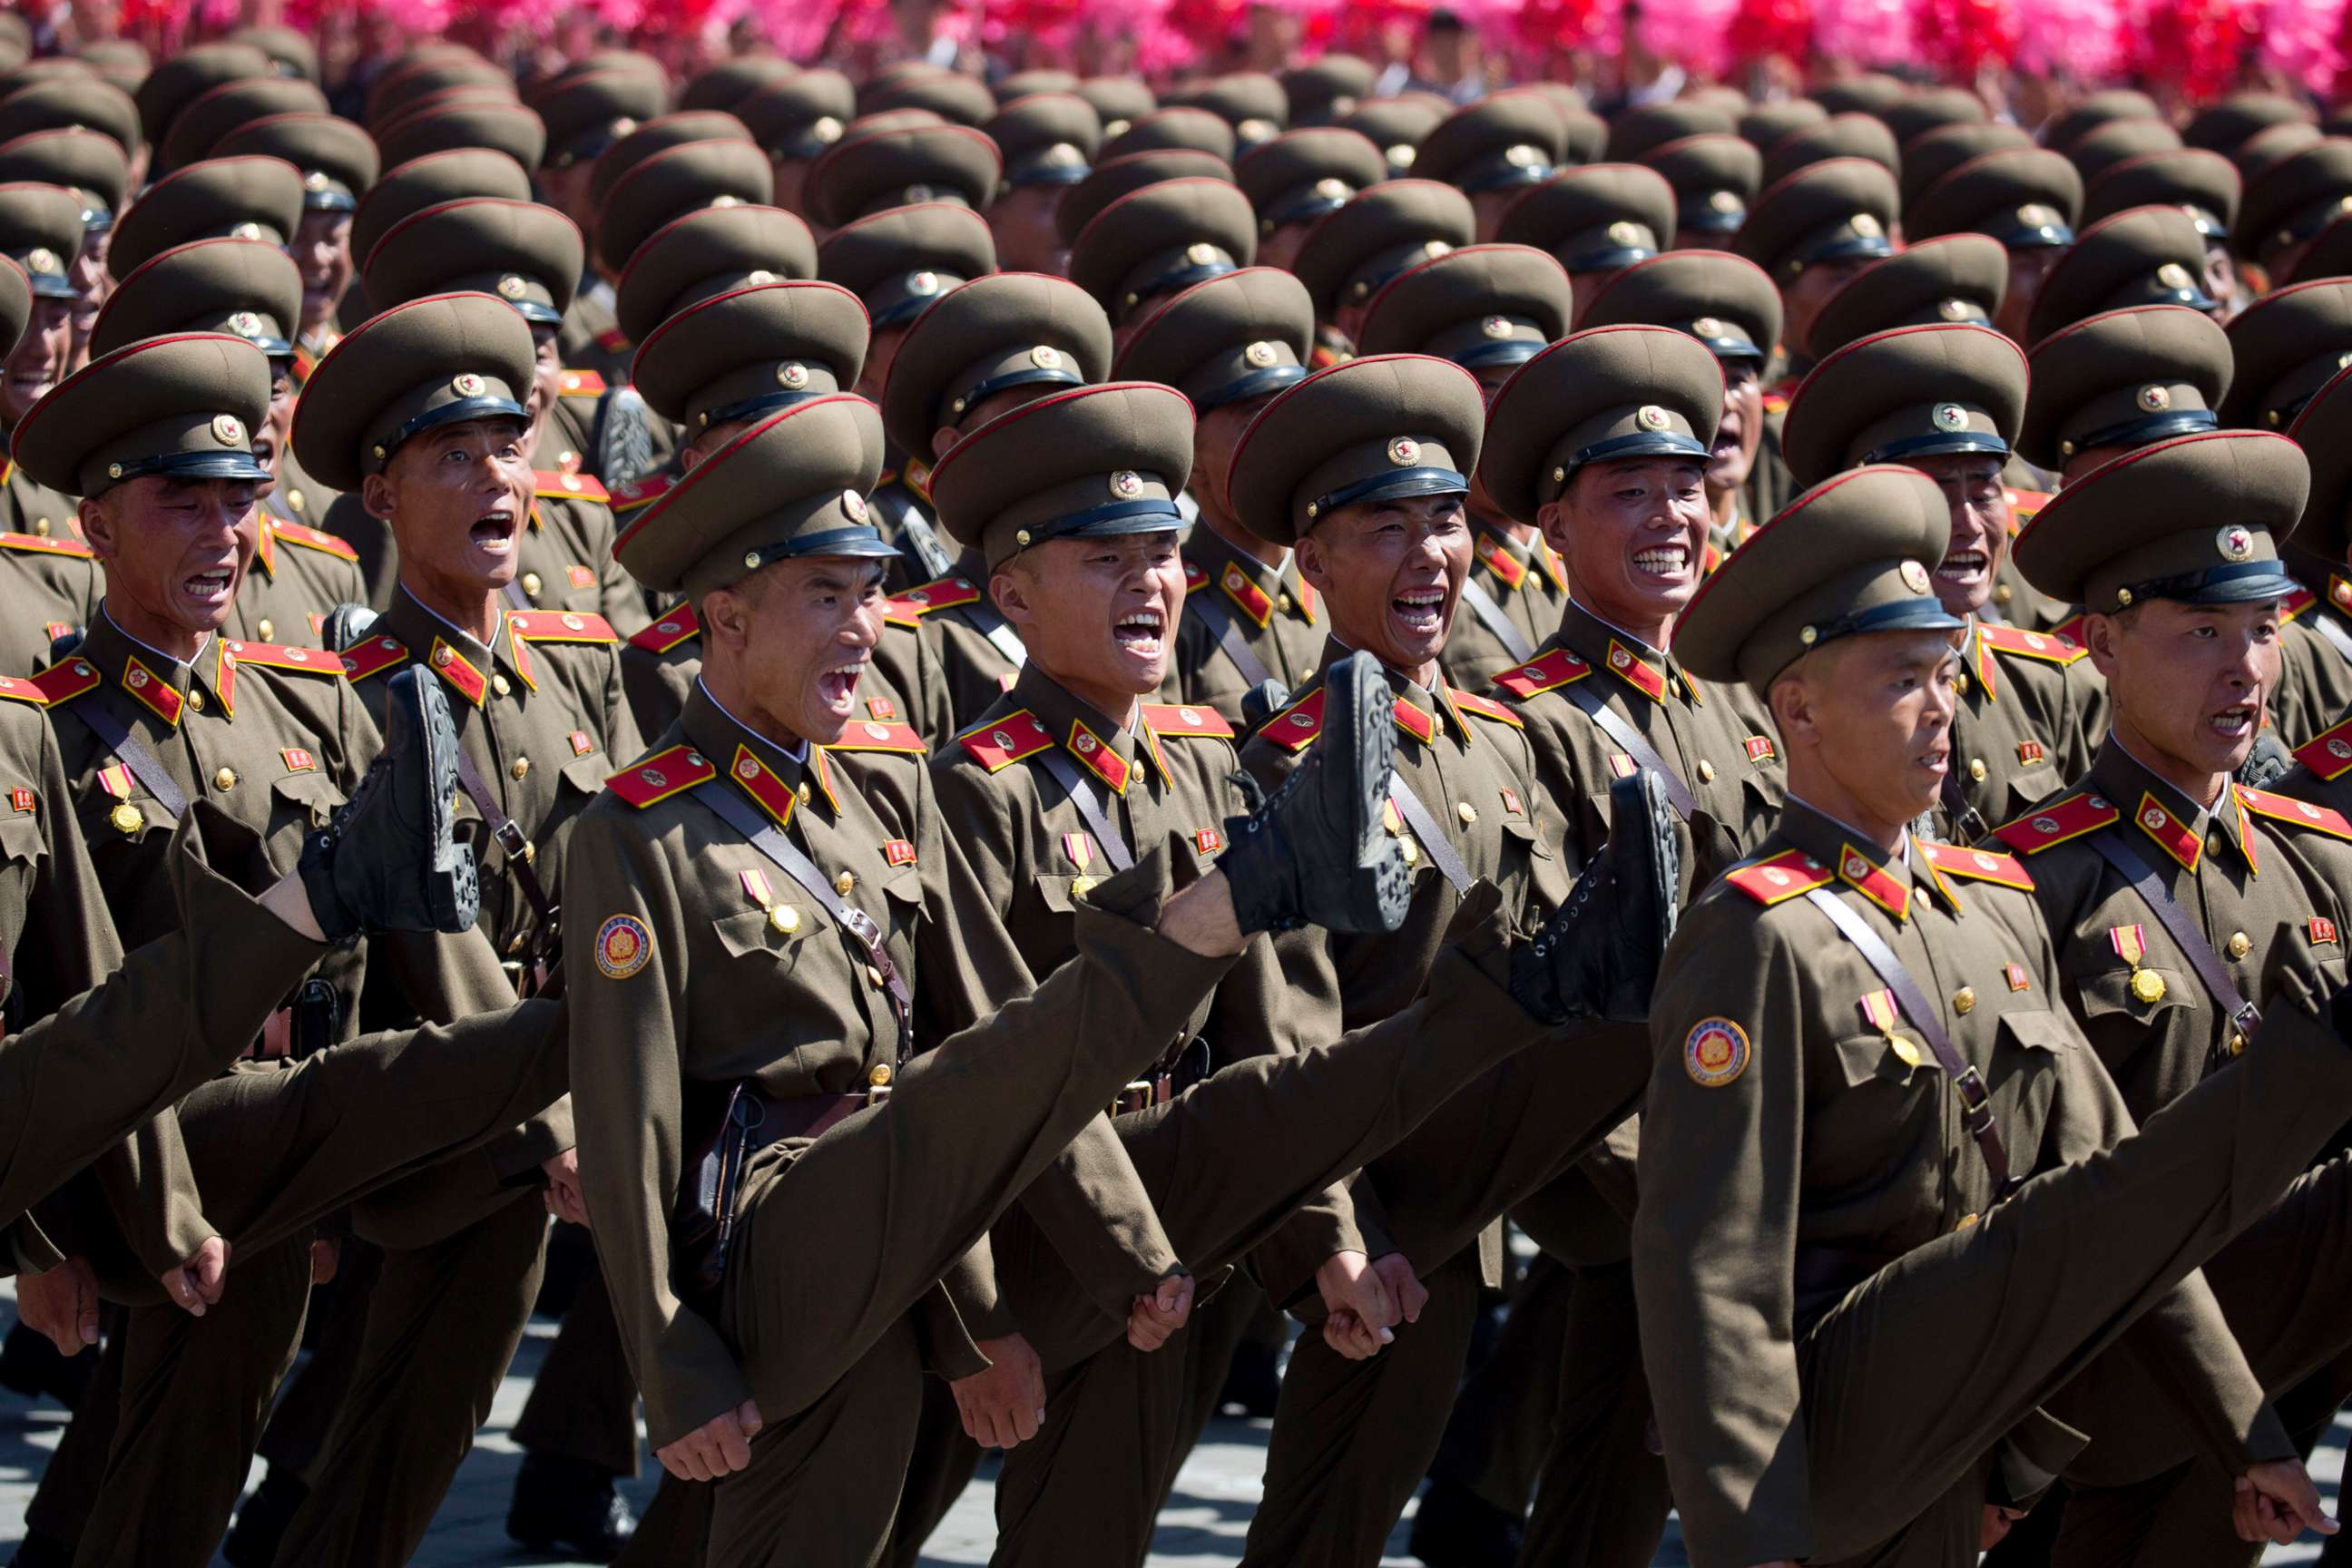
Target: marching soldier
{"x": 1491, "y": 150}
{"x": 1952, "y": 278}
{"x": 1154, "y": 242}
{"x": 2205, "y": 185}
{"x": 2291, "y": 201}
{"x": 2029, "y": 198}
{"x": 1489, "y": 308}
{"x": 2168, "y": 972}
{"x": 49, "y": 580}
{"x": 1596, "y": 221}
{"x": 2147, "y": 255}
{"x": 253, "y": 290}
{"x": 794, "y": 121}
{"x": 93, "y": 165}
{"x": 1932, "y": 155}
{"x": 1714, "y": 179}
{"x": 1893, "y": 1000}
{"x": 1048, "y": 141}
{"x": 248, "y": 197}
{"x": 1253, "y": 629}
{"x": 1300, "y": 177}
{"x": 1379, "y": 233}
{"x": 339, "y": 163}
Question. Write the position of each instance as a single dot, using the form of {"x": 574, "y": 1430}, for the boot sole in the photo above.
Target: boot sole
{"x": 1360, "y": 727}
{"x": 1648, "y": 877}
{"x": 452, "y": 889}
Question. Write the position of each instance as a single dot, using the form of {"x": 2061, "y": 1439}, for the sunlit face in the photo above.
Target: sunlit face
{"x": 546, "y": 382}
{"x": 1803, "y": 296}
{"x": 175, "y": 549}
{"x": 2028, "y": 269}
{"x": 272, "y": 439}
{"x": 1027, "y": 241}
{"x": 458, "y": 498}
{"x": 1633, "y": 533}
{"x": 1978, "y": 503}
{"x": 2186, "y": 684}
{"x": 42, "y": 358}
{"x": 1874, "y": 712}
{"x": 322, "y": 250}
{"x": 1096, "y": 614}
{"x": 800, "y": 633}
{"x": 1731, "y": 457}
{"x": 1391, "y": 572}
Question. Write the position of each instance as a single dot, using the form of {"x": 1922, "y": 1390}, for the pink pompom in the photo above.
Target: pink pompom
{"x": 1761, "y": 29}
{"x": 2079, "y": 39}
{"x": 1864, "y": 32}
{"x": 1694, "y": 33}
{"x": 1963, "y": 36}
{"x": 2303, "y": 41}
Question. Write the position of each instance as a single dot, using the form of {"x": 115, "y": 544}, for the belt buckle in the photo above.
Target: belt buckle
{"x": 876, "y": 1094}
{"x": 1136, "y": 1096}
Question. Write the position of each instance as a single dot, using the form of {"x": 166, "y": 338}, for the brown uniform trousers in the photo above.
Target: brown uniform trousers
{"x": 542, "y": 718}
{"x": 713, "y": 967}
{"x": 1231, "y": 598}
{"x": 1813, "y": 1210}
{"x": 1511, "y": 603}
{"x": 2260, "y": 876}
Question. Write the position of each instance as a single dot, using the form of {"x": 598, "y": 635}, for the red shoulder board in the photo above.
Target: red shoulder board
{"x": 2022, "y": 505}
{"x": 999, "y": 745}
{"x": 1295, "y": 728}
{"x": 313, "y": 539}
{"x": 2328, "y": 754}
{"x": 553, "y": 626}
{"x": 613, "y": 341}
{"x": 374, "y": 656}
{"x": 17, "y": 688}
{"x": 283, "y": 656}
{"x": 1781, "y": 878}
{"x": 1776, "y": 398}
{"x": 2023, "y": 644}
{"x": 662, "y": 775}
{"x": 2282, "y": 808}
{"x": 66, "y": 680}
{"x": 2055, "y": 822}
{"x": 1485, "y": 708}
{"x": 2070, "y": 630}
{"x": 2295, "y": 604}
{"x": 1979, "y": 865}
{"x": 640, "y": 492}
{"x": 678, "y": 624}
{"x": 873, "y": 735}
{"x": 581, "y": 384}
{"x": 1555, "y": 669}
{"x": 553, "y": 484}
{"x": 1195, "y": 578}
{"x": 46, "y": 546}
{"x": 947, "y": 594}
{"x": 1185, "y": 721}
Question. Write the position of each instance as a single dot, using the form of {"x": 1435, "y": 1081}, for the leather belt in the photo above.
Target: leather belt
{"x": 1442, "y": 853}
{"x": 1175, "y": 1073}
{"x": 1099, "y": 821}
{"x": 1976, "y": 1100}
{"x": 1613, "y": 724}
{"x": 1491, "y": 615}
{"x": 2244, "y": 1017}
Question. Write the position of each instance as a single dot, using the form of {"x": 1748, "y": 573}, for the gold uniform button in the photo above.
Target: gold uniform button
{"x": 266, "y": 629}
{"x": 1963, "y": 999}
{"x": 225, "y": 779}
{"x": 2237, "y": 1045}
{"x": 196, "y": 699}
{"x": 805, "y": 794}
{"x": 41, "y": 527}
{"x": 521, "y": 769}
{"x": 530, "y": 584}
{"x": 1282, "y": 600}
{"x": 843, "y": 883}
{"x": 501, "y": 685}
{"x": 1467, "y": 813}
{"x": 2148, "y": 987}
{"x": 127, "y": 818}
{"x": 875, "y": 976}
{"x": 1965, "y": 1221}
{"x": 2240, "y": 944}
{"x": 2002, "y": 594}
{"x": 784, "y": 918}
{"x": 1705, "y": 771}
{"x": 1977, "y": 769}
{"x": 878, "y": 1075}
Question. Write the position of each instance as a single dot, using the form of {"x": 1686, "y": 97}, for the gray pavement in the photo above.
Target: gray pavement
{"x": 1203, "y": 1526}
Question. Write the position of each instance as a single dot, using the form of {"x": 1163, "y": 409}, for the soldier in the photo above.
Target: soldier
{"x": 254, "y": 290}
{"x": 1928, "y": 157}
{"x": 1595, "y": 221}
{"x": 1048, "y": 141}
{"x": 2315, "y": 691}
{"x": 2145, "y": 256}
{"x": 51, "y": 578}
{"x": 1489, "y": 308}
{"x": 1714, "y": 179}
{"x": 1491, "y": 150}
{"x": 1253, "y": 628}
{"x": 462, "y": 117}
{"x": 1728, "y": 304}
{"x": 794, "y": 121}
{"x": 2029, "y": 198}
{"x": 339, "y": 163}
{"x": 2168, "y": 972}
{"x": 674, "y": 836}
{"x": 1379, "y": 233}
{"x": 1396, "y": 125}
{"x": 248, "y": 197}
{"x": 1848, "y": 135}
{"x": 2291, "y": 201}
{"x": 527, "y": 255}
{"x": 869, "y": 173}
{"x": 93, "y": 165}
{"x": 1952, "y": 278}
{"x": 2285, "y": 346}
{"x": 1095, "y": 601}
{"x": 1155, "y": 241}
{"x": 2205, "y": 185}
{"x": 1745, "y": 1247}
{"x": 435, "y": 387}
{"x": 1300, "y": 177}
{"x": 2025, "y": 717}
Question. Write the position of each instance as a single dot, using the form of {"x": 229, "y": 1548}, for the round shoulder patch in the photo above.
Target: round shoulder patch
{"x": 1715, "y": 1052}
{"x": 624, "y": 944}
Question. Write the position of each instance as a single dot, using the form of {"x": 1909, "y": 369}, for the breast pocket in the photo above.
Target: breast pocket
{"x": 767, "y": 940}
{"x": 2118, "y": 994}
{"x": 2031, "y": 1047}
{"x": 311, "y": 799}
{"x": 1870, "y": 1090}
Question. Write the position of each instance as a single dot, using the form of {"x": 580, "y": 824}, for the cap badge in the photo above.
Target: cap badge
{"x": 1950, "y": 416}
{"x": 1622, "y": 233}
{"x": 1650, "y": 417}
{"x": 791, "y": 377}
{"x": 1259, "y": 355}
{"x": 622, "y": 126}
{"x": 1333, "y": 190}
{"x": 727, "y": 201}
{"x": 759, "y": 275}
{"x": 467, "y": 385}
{"x": 245, "y": 324}
{"x": 1726, "y": 201}
{"x": 1520, "y": 155}
{"x": 922, "y": 283}
{"x": 2172, "y": 275}
{"x": 852, "y": 506}
{"x": 919, "y": 192}
{"x": 1200, "y": 253}
{"x": 2237, "y": 543}
{"x": 1126, "y": 484}
{"x": 228, "y": 429}
{"x": 1914, "y": 575}
{"x": 247, "y": 230}
{"x": 1046, "y": 356}
{"x": 1954, "y": 311}
{"x": 826, "y": 129}
{"x": 511, "y": 285}
{"x": 1402, "y": 155}
{"x": 2155, "y": 399}
{"x": 315, "y": 181}
{"x": 1865, "y": 225}
{"x": 1404, "y": 451}
{"x": 1708, "y": 327}
{"x": 1496, "y": 326}
{"x": 1435, "y": 248}
{"x": 41, "y": 258}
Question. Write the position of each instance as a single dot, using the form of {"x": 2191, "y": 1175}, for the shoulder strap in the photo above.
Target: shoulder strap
{"x": 2244, "y": 1015}
{"x": 1968, "y": 1083}
{"x": 143, "y": 763}
{"x": 1492, "y": 616}
{"x": 1221, "y": 625}
{"x": 1082, "y": 794}
{"x": 1612, "y": 723}
{"x": 1442, "y": 853}
{"x": 511, "y": 841}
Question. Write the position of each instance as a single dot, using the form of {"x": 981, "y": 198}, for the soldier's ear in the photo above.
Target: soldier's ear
{"x": 1553, "y": 523}
{"x": 375, "y": 496}
{"x": 1009, "y": 590}
{"x": 1791, "y": 701}
{"x": 97, "y": 526}
{"x": 942, "y": 438}
{"x": 2102, "y": 637}
{"x": 1314, "y": 565}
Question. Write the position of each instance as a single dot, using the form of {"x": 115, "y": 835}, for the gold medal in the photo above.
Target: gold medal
{"x": 2148, "y": 987}
{"x": 784, "y": 918}
{"x": 1081, "y": 886}
{"x": 1905, "y": 1050}
{"x": 127, "y": 818}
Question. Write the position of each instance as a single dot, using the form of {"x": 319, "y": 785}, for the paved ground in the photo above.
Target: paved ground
{"x": 1202, "y": 1528}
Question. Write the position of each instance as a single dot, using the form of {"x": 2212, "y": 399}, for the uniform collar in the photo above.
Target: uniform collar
{"x": 154, "y": 680}
{"x": 2160, "y": 814}
{"x": 463, "y": 662}
{"x": 1511, "y": 560}
{"x": 1420, "y": 712}
{"x": 1886, "y": 879}
{"x": 1089, "y": 735}
{"x": 777, "y": 778}
{"x": 1635, "y": 664}
{"x": 1256, "y": 588}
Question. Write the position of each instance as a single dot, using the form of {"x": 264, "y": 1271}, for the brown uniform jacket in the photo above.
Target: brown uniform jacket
{"x": 1467, "y": 761}
{"x": 2315, "y": 655}
{"x": 1786, "y": 1135}
{"x": 1271, "y": 611}
{"x": 698, "y": 963}
{"x": 972, "y": 646}
{"x": 299, "y": 574}
{"x": 2032, "y": 711}
{"x": 48, "y": 587}
{"x": 1169, "y": 780}
{"x": 1524, "y": 583}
